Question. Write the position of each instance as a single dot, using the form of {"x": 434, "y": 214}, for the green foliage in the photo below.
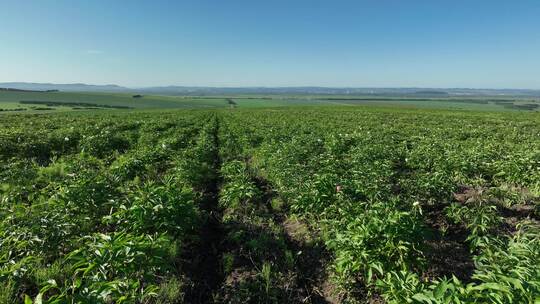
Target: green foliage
{"x": 384, "y": 238}
{"x": 97, "y": 208}
{"x": 114, "y": 268}
{"x": 152, "y": 208}
{"x": 238, "y": 188}
{"x": 98, "y": 216}
{"x": 372, "y": 183}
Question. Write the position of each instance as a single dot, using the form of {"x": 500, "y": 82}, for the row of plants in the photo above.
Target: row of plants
{"x": 257, "y": 264}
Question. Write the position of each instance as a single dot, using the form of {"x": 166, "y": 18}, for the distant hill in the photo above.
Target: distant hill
{"x": 423, "y": 92}
{"x": 19, "y": 90}
{"x": 432, "y": 93}
{"x": 71, "y": 87}
{"x": 209, "y": 91}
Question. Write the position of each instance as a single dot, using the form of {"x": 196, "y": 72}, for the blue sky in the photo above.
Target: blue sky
{"x": 377, "y": 43}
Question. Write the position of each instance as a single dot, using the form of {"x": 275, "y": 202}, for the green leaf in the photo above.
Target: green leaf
{"x": 422, "y": 298}
{"x": 492, "y": 286}
{"x": 440, "y": 290}
{"x": 27, "y": 299}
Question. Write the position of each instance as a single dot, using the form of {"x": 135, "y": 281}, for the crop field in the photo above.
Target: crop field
{"x": 282, "y": 205}
{"x": 69, "y": 101}
{"x": 12, "y": 101}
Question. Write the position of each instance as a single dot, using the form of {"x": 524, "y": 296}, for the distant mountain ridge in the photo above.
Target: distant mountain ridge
{"x": 70, "y": 87}
{"x": 305, "y": 90}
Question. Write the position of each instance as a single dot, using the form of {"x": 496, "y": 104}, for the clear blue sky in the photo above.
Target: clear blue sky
{"x": 380, "y": 43}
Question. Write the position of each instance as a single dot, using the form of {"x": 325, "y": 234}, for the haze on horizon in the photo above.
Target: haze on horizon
{"x": 480, "y": 44}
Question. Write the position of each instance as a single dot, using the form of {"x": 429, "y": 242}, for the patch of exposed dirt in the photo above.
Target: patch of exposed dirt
{"x": 446, "y": 250}
{"x": 311, "y": 259}
{"x": 519, "y": 212}
{"x": 311, "y": 263}
{"x": 467, "y": 194}
{"x": 238, "y": 277}
{"x": 203, "y": 262}
{"x": 296, "y": 230}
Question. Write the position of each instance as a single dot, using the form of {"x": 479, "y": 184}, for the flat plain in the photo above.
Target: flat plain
{"x": 35, "y": 101}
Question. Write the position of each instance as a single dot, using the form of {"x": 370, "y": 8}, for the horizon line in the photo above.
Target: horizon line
{"x": 268, "y": 86}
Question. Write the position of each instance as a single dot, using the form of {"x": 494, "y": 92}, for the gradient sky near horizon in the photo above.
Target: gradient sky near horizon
{"x": 413, "y": 43}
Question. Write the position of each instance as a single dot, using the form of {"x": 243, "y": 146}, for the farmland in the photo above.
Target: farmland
{"x": 41, "y": 101}
{"x": 318, "y": 204}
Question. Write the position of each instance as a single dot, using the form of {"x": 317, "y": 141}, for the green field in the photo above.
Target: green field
{"x": 12, "y": 100}
{"x": 298, "y": 204}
